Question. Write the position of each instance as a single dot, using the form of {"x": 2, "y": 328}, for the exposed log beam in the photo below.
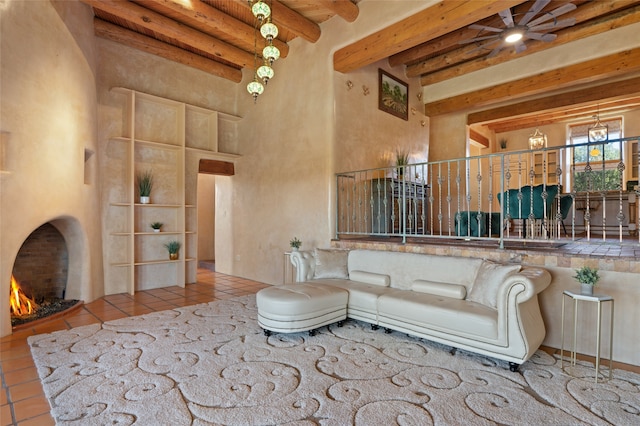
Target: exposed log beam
{"x": 343, "y": 8}
{"x": 210, "y": 18}
{"x": 447, "y": 41}
{"x": 625, "y": 89}
{"x": 442, "y": 18}
{"x": 291, "y": 20}
{"x": 138, "y": 41}
{"x": 596, "y": 26}
{"x": 169, "y": 28}
{"x": 478, "y": 138}
{"x": 568, "y": 113}
{"x": 614, "y": 65}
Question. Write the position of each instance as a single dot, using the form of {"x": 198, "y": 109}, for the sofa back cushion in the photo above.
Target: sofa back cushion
{"x": 370, "y": 278}
{"x": 331, "y": 263}
{"x": 404, "y": 268}
{"x": 490, "y": 277}
{"x": 454, "y": 291}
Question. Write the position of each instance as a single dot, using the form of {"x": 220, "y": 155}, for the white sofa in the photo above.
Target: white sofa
{"x": 472, "y": 304}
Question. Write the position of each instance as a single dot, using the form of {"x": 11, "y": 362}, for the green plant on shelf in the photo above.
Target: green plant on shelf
{"x": 173, "y": 247}
{"x": 145, "y": 183}
{"x": 587, "y": 275}
{"x": 157, "y": 225}
{"x": 295, "y": 243}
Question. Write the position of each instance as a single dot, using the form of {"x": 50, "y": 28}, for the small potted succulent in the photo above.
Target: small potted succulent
{"x": 145, "y": 183}
{"x": 588, "y": 278}
{"x": 402, "y": 160}
{"x": 173, "y": 247}
{"x": 156, "y": 226}
{"x": 295, "y": 244}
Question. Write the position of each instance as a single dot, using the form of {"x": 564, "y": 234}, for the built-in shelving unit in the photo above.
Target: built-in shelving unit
{"x": 545, "y": 164}
{"x": 168, "y": 138}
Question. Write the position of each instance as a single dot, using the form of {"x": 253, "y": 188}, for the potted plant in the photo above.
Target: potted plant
{"x": 156, "y": 226}
{"x": 145, "y": 183}
{"x": 503, "y": 143}
{"x": 402, "y": 160}
{"x": 588, "y": 278}
{"x": 295, "y": 244}
{"x": 173, "y": 247}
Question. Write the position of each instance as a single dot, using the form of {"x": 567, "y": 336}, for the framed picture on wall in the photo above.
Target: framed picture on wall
{"x": 393, "y": 95}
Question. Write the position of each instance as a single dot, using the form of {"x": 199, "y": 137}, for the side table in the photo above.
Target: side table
{"x": 287, "y": 269}
{"x": 599, "y": 299}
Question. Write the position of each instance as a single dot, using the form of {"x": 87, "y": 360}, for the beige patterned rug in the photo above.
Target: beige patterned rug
{"x": 210, "y": 364}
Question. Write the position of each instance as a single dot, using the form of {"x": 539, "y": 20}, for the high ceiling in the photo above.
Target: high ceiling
{"x": 218, "y": 36}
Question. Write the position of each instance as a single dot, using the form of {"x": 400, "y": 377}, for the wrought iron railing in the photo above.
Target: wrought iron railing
{"x": 542, "y": 195}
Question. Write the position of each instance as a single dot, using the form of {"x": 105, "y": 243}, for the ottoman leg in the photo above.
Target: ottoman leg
{"x": 266, "y": 332}
{"x": 312, "y": 332}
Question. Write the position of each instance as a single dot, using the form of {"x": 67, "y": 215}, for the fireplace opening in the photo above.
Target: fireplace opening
{"x": 39, "y": 277}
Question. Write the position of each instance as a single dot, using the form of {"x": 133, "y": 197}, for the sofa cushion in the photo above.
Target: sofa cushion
{"x": 370, "y": 278}
{"x": 454, "y": 291}
{"x": 331, "y": 263}
{"x": 490, "y": 277}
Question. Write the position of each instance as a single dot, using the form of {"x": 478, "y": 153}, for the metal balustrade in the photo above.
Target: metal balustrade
{"x": 497, "y": 197}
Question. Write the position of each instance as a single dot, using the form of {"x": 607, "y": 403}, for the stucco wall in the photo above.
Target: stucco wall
{"x": 48, "y": 121}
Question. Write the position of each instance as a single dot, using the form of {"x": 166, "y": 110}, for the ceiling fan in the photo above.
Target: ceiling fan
{"x": 526, "y": 28}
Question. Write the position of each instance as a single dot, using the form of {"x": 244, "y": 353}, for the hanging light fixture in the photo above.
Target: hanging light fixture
{"x": 265, "y": 72}
{"x": 270, "y": 53}
{"x": 537, "y": 140}
{"x": 269, "y": 31}
{"x": 260, "y": 10}
{"x": 599, "y": 132}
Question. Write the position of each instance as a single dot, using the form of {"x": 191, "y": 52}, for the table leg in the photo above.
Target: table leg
{"x": 598, "y": 333}
{"x": 575, "y": 333}
{"x": 611, "y": 342}
{"x": 562, "y": 335}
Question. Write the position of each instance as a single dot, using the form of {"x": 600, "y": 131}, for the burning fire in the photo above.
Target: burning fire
{"x": 20, "y": 303}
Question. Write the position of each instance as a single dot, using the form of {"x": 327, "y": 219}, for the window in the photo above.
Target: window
{"x": 596, "y": 167}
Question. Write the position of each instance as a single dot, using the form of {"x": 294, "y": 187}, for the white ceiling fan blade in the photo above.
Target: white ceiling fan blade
{"x": 484, "y": 46}
{"x": 554, "y": 25}
{"x": 553, "y": 14}
{"x": 473, "y": 40}
{"x": 484, "y": 27}
{"x": 520, "y": 46}
{"x": 495, "y": 51}
{"x": 533, "y": 11}
{"x": 541, "y": 37}
{"x": 507, "y": 17}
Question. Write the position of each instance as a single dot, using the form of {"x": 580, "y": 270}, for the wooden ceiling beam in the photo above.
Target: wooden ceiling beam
{"x": 583, "y": 112}
{"x": 343, "y": 8}
{"x": 153, "y": 21}
{"x": 439, "y": 68}
{"x": 448, "y": 41}
{"x": 423, "y": 26}
{"x": 626, "y": 89}
{"x": 139, "y": 41}
{"x": 291, "y": 20}
{"x": 213, "y": 19}
{"x": 614, "y": 65}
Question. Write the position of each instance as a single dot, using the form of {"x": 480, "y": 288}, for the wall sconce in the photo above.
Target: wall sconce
{"x": 537, "y": 140}
{"x": 349, "y": 85}
{"x": 365, "y": 90}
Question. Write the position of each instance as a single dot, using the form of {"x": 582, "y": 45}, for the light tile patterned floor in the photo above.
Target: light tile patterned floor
{"x": 22, "y": 400}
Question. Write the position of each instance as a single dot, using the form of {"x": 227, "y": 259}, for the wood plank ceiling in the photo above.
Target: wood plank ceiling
{"x": 218, "y": 36}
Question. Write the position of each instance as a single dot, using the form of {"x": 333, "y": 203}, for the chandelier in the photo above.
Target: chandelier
{"x": 263, "y": 73}
{"x": 537, "y": 140}
{"x": 599, "y": 132}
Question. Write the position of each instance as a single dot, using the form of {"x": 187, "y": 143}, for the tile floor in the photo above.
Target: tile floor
{"x": 22, "y": 401}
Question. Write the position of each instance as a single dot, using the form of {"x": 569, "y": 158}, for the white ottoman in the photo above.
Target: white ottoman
{"x": 300, "y": 307}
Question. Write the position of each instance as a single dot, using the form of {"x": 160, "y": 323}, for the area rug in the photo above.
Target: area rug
{"x": 210, "y": 364}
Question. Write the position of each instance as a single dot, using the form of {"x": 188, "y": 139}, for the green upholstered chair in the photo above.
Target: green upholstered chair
{"x": 467, "y": 226}
{"x": 566, "y": 201}
{"x": 521, "y": 209}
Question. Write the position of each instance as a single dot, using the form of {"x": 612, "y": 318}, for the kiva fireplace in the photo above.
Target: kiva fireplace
{"x": 39, "y": 277}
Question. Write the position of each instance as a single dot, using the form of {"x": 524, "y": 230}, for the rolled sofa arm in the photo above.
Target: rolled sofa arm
{"x": 524, "y": 285}
{"x": 304, "y": 263}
